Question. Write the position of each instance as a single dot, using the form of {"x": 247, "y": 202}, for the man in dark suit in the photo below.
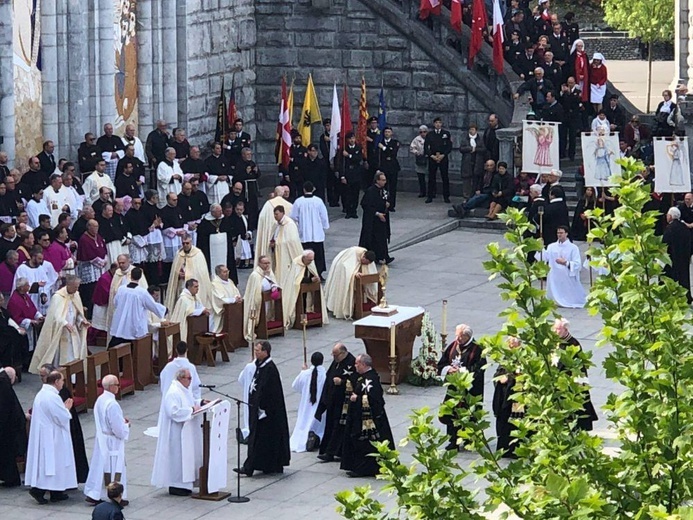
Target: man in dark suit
{"x": 537, "y": 88}
{"x": 571, "y": 99}
{"x": 526, "y": 63}
{"x": 555, "y": 215}
{"x": 437, "y": 148}
{"x": 46, "y": 158}
{"x": 349, "y": 163}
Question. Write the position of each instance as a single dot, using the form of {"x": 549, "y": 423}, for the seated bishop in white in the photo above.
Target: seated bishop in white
{"x": 188, "y": 304}
{"x": 224, "y": 292}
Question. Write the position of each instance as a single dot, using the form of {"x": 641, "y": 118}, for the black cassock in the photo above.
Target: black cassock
{"x": 268, "y": 443}
{"x": 247, "y": 173}
{"x": 13, "y": 438}
{"x": 334, "y": 401}
{"x": 14, "y": 348}
{"x": 578, "y": 231}
{"x": 470, "y": 357}
{"x": 588, "y": 414}
{"x": 366, "y": 423}
{"x": 375, "y": 234}
{"x": 211, "y": 227}
{"x": 677, "y": 237}
{"x": 81, "y": 461}
{"x": 505, "y": 408}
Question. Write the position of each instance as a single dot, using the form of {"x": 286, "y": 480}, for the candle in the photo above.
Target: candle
{"x": 445, "y": 316}
{"x": 392, "y": 339}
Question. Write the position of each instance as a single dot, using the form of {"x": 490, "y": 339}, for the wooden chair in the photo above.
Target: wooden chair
{"x": 209, "y": 344}
{"x": 142, "y": 352}
{"x": 122, "y": 365}
{"x": 78, "y": 389}
{"x": 362, "y": 305}
{"x": 232, "y": 326}
{"x": 314, "y": 318}
{"x": 266, "y": 329}
{"x": 169, "y": 331}
{"x": 102, "y": 361}
{"x": 196, "y": 325}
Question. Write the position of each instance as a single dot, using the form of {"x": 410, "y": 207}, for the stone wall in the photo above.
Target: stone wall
{"x": 340, "y": 45}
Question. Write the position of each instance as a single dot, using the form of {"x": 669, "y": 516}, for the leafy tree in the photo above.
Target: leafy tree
{"x": 561, "y": 472}
{"x": 649, "y": 20}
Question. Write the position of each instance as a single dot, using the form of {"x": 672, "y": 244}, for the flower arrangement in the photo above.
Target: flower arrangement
{"x": 424, "y": 368}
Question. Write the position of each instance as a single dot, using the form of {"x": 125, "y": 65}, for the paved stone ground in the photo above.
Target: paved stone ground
{"x": 445, "y": 267}
{"x": 631, "y": 78}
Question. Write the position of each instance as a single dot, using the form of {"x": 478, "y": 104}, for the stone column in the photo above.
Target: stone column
{"x": 64, "y": 112}
{"x": 77, "y": 64}
{"x": 167, "y": 59}
{"x": 49, "y": 74}
{"x": 7, "y": 82}
{"x": 506, "y": 140}
{"x": 682, "y": 43}
{"x": 105, "y": 64}
{"x": 144, "y": 67}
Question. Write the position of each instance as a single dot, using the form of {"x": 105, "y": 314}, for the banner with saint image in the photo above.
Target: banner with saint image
{"x": 672, "y": 165}
{"x": 540, "y": 153}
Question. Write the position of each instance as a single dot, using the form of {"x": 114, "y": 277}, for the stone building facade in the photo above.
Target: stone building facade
{"x": 136, "y": 61}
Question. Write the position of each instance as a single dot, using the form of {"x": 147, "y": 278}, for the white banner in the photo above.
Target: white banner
{"x": 672, "y": 165}
{"x": 540, "y": 151}
{"x": 218, "y": 447}
{"x": 599, "y": 154}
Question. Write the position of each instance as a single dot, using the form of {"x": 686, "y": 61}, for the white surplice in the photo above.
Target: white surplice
{"x": 179, "y": 445}
{"x": 109, "y": 448}
{"x": 34, "y": 209}
{"x": 94, "y": 183}
{"x": 130, "y": 319}
{"x": 56, "y": 201}
{"x": 310, "y": 215}
{"x": 50, "y": 460}
{"x": 168, "y": 375}
{"x": 165, "y": 182}
{"x": 245, "y": 378}
{"x": 305, "y": 420}
{"x": 223, "y": 292}
{"x": 41, "y": 273}
{"x": 216, "y": 188}
{"x": 563, "y": 281}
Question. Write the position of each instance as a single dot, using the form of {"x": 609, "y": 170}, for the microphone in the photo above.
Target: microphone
{"x": 208, "y": 386}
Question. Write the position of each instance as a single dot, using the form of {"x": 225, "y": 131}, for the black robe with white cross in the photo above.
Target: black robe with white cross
{"x": 333, "y": 403}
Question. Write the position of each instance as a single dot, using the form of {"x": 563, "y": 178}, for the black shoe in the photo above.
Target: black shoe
{"x": 429, "y": 200}
{"x": 179, "y": 492}
{"x": 392, "y": 210}
{"x": 241, "y": 471}
{"x": 38, "y": 495}
{"x": 343, "y": 210}
{"x": 124, "y": 503}
{"x": 353, "y": 474}
{"x": 390, "y": 260}
{"x": 11, "y": 484}
{"x": 92, "y": 502}
{"x": 326, "y": 457}
{"x": 422, "y": 195}
{"x": 59, "y": 496}
{"x": 447, "y": 200}
{"x": 334, "y": 204}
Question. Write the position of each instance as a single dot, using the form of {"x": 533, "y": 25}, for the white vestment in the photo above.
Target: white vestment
{"x": 41, "y": 273}
{"x": 130, "y": 319}
{"x": 168, "y": 375}
{"x": 287, "y": 246}
{"x": 109, "y": 448}
{"x": 217, "y": 189}
{"x": 310, "y": 215}
{"x": 291, "y": 286}
{"x": 93, "y": 183}
{"x": 339, "y": 287}
{"x": 137, "y": 145}
{"x": 166, "y": 183}
{"x": 55, "y": 202}
{"x": 266, "y": 223}
{"x": 179, "y": 445}
{"x": 563, "y": 281}
{"x": 243, "y": 250}
{"x": 305, "y": 420}
{"x": 34, "y": 209}
{"x": 50, "y": 460}
{"x": 120, "y": 279}
{"x": 186, "y": 305}
{"x": 223, "y": 292}
{"x": 245, "y": 378}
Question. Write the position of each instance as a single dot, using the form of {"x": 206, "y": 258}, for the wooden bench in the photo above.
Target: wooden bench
{"x": 142, "y": 352}
{"x": 232, "y": 326}
{"x": 78, "y": 389}
{"x": 209, "y": 345}
{"x": 196, "y": 325}
{"x": 362, "y": 305}
{"x": 123, "y": 367}
{"x": 169, "y": 331}
{"x": 266, "y": 329}
{"x": 102, "y": 361}
{"x": 314, "y": 319}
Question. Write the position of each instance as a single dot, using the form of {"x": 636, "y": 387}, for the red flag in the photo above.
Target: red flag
{"x": 362, "y": 128}
{"x": 456, "y": 15}
{"x": 428, "y": 7}
{"x": 346, "y": 119}
{"x": 283, "y": 144}
{"x": 231, "y": 114}
{"x": 498, "y": 37}
{"x": 479, "y": 23}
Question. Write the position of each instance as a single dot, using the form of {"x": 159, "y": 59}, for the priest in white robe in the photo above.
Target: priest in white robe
{"x": 132, "y": 302}
{"x": 50, "y": 461}
{"x": 180, "y": 362}
{"x": 309, "y": 384}
{"x": 122, "y": 277}
{"x": 97, "y": 180}
{"x": 188, "y": 263}
{"x": 563, "y": 281}
{"x": 179, "y": 445}
{"x": 349, "y": 264}
{"x": 285, "y": 244}
{"x": 41, "y": 276}
{"x": 169, "y": 176}
{"x": 303, "y": 271}
{"x": 310, "y": 214}
{"x": 188, "y": 304}
{"x": 58, "y": 199}
{"x": 266, "y": 222}
{"x": 63, "y": 336}
{"x": 261, "y": 280}
{"x": 224, "y": 292}
{"x": 136, "y": 142}
{"x": 112, "y": 432}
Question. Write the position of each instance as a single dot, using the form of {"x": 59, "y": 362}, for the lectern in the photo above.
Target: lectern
{"x": 375, "y": 332}
{"x": 233, "y": 326}
{"x": 212, "y": 448}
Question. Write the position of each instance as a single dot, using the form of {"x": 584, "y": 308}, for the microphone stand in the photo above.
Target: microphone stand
{"x": 238, "y": 499}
